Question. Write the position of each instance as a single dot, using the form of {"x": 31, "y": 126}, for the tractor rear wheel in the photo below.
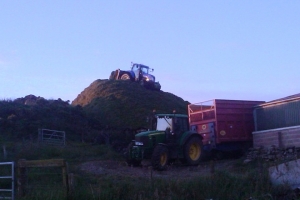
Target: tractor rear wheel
{"x": 193, "y": 151}
{"x": 125, "y": 77}
{"x": 160, "y": 158}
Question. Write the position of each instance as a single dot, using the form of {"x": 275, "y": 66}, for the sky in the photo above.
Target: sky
{"x": 199, "y": 49}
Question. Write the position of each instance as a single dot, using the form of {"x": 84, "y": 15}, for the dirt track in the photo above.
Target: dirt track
{"x": 119, "y": 168}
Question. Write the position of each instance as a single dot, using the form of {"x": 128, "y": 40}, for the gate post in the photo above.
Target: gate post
{"x": 21, "y": 177}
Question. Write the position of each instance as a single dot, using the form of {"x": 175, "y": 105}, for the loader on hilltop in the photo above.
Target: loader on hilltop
{"x": 138, "y": 73}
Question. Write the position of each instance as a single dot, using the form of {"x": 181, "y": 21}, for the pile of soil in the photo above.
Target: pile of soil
{"x": 125, "y": 104}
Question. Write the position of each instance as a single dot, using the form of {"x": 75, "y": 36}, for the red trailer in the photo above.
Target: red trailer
{"x": 225, "y": 125}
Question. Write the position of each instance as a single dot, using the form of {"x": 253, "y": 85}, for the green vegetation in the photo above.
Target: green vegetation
{"x": 106, "y": 108}
{"x": 21, "y": 121}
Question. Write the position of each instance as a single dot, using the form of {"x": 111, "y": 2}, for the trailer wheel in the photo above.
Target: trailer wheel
{"x": 193, "y": 151}
{"x": 125, "y": 77}
{"x": 129, "y": 160}
{"x": 160, "y": 158}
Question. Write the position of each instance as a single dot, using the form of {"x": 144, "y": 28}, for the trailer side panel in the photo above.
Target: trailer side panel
{"x": 232, "y": 120}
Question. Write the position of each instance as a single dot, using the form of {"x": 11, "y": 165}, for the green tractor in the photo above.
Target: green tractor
{"x": 168, "y": 139}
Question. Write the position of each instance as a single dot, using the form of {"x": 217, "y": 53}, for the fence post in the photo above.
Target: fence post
{"x": 4, "y": 152}
{"x": 21, "y": 178}
{"x": 71, "y": 184}
{"x": 64, "y": 174}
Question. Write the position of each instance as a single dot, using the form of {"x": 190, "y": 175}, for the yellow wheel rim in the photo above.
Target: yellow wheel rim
{"x": 194, "y": 151}
{"x": 163, "y": 159}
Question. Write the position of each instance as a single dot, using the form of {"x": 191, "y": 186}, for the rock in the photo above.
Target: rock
{"x": 287, "y": 173}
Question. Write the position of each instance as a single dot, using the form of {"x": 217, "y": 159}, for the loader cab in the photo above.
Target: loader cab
{"x": 142, "y": 72}
{"x": 145, "y": 69}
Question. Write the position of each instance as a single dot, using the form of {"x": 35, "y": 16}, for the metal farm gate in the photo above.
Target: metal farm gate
{"x": 7, "y": 180}
{"x": 52, "y": 137}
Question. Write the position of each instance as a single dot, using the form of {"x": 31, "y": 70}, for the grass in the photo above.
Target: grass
{"x": 72, "y": 152}
{"x": 247, "y": 181}
{"x": 222, "y": 186}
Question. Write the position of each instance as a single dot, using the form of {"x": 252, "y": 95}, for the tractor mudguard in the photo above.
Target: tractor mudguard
{"x": 132, "y": 75}
{"x": 186, "y": 136}
{"x": 114, "y": 75}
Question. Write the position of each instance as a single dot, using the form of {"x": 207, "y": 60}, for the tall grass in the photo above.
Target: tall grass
{"x": 222, "y": 185}
{"x": 72, "y": 152}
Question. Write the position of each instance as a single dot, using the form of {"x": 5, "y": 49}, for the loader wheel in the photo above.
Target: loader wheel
{"x": 125, "y": 77}
{"x": 129, "y": 160}
{"x": 142, "y": 83}
{"x": 160, "y": 158}
{"x": 112, "y": 75}
{"x": 193, "y": 151}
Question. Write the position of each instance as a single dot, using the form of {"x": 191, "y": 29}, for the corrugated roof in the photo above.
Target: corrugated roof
{"x": 287, "y": 98}
{"x": 281, "y": 100}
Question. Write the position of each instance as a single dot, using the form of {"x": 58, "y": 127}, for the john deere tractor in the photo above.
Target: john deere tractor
{"x": 169, "y": 139}
{"x": 139, "y": 73}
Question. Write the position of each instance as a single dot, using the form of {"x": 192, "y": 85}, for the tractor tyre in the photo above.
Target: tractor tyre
{"x": 160, "y": 158}
{"x": 193, "y": 151}
{"x": 129, "y": 160}
{"x": 142, "y": 83}
{"x": 112, "y": 75}
{"x": 125, "y": 77}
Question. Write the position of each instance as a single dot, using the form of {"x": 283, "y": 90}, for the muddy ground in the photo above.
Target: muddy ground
{"x": 176, "y": 170}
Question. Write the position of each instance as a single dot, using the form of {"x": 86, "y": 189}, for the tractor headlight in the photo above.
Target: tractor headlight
{"x": 139, "y": 143}
{"x": 149, "y": 78}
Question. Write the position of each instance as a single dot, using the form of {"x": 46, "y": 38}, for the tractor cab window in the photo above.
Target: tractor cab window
{"x": 135, "y": 68}
{"x": 181, "y": 125}
{"x": 144, "y": 70}
{"x": 163, "y": 123}
{"x": 136, "y": 71}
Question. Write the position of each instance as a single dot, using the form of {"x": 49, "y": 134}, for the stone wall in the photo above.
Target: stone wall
{"x": 281, "y": 137}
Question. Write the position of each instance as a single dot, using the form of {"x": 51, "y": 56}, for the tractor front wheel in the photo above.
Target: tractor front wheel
{"x": 142, "y": 83}
{"x": 193, "y": 151}
{"x": 160, "y": 158}
{"x": 125, "y": 77}
{"x": 129, "y": 160}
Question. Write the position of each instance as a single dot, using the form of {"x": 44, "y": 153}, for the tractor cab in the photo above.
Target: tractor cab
{"x": 174, "y": 125}
{"x": 145, "y": 69}
{"x": 141, "y": 73}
